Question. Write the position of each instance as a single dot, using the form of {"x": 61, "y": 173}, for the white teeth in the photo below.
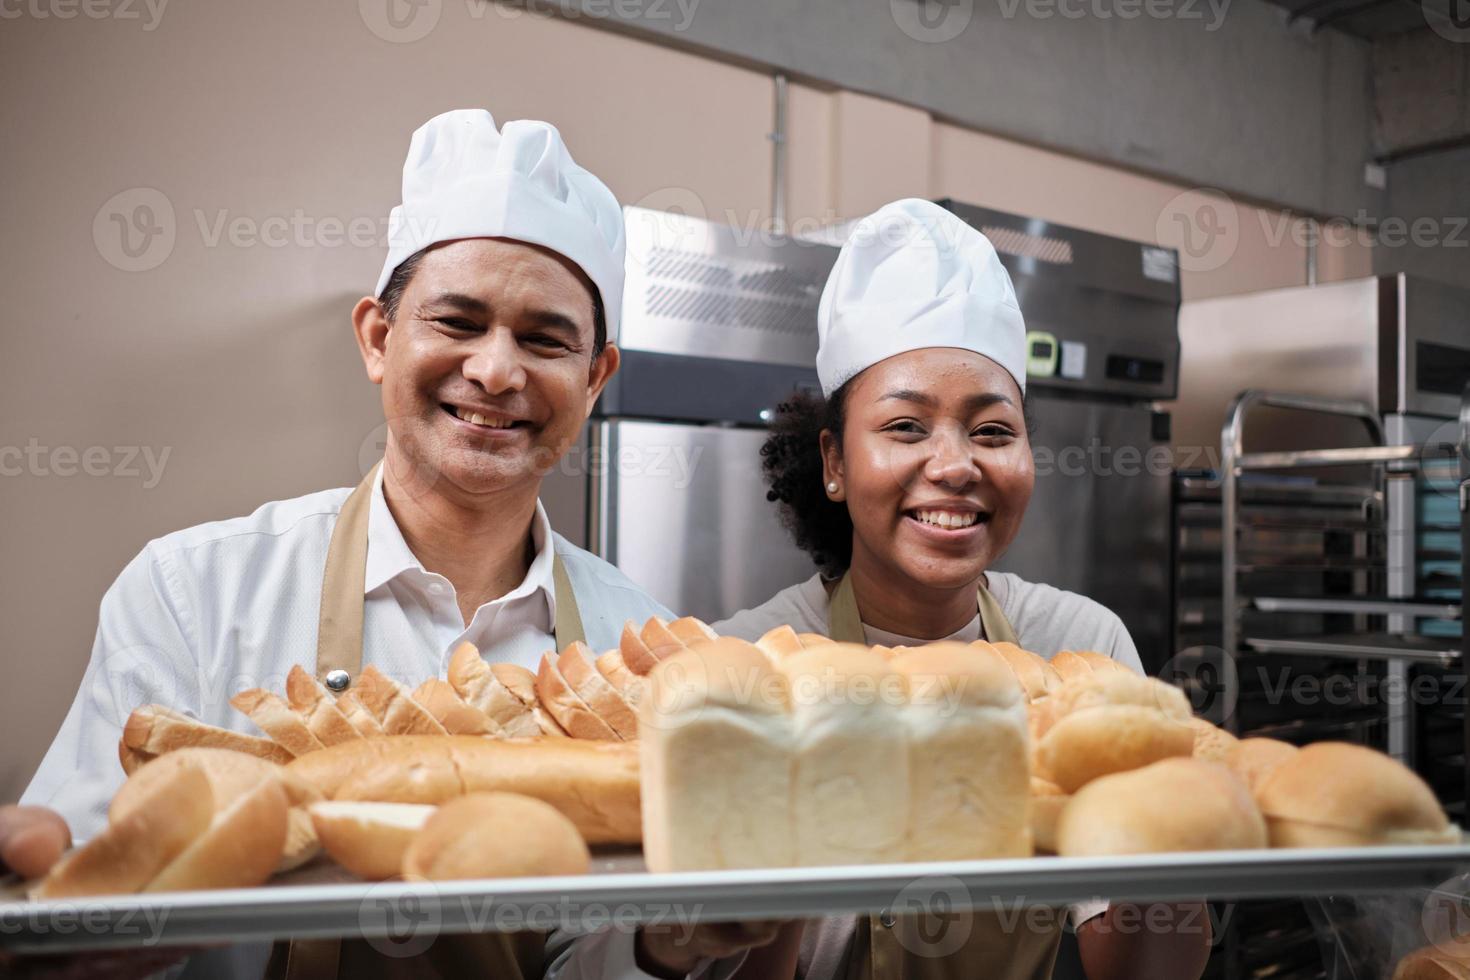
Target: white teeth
{"x": 479, "y": 419}
{"x": 946, "y": 519}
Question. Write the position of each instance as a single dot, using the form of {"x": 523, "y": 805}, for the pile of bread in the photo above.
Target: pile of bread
{"x": 801, "y": 751}
{"x": 573, "y": 693}
{"x": 717, "y": 753}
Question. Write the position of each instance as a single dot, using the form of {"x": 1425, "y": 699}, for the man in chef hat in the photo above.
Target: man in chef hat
{"x": 491, "y": 333}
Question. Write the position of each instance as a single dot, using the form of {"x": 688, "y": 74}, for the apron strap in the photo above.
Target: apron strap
{"x": 568, "y": 626}
{"x": 339, "y": 625}
{"x": 845, "y": 625}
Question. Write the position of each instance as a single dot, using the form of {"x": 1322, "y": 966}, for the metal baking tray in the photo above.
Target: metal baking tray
{"x": 310, "y": 903}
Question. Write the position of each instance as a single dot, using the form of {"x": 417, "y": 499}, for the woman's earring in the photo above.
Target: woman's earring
{"x": 832, "y": 487}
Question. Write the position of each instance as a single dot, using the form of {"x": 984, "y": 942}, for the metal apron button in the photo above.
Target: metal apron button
{"x": 886, "y": 919}
{"x": 338, "y": 680}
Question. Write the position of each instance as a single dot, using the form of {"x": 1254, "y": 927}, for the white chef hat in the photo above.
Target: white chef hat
{"x": 913, "y": 275}
{"x": 465, "y": 179}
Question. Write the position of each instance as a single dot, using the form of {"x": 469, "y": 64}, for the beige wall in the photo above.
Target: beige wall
{"x": 233, "y": 355}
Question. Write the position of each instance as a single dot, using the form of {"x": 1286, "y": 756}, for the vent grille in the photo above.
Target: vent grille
{"x": 762, "y": 296}
{"x": 1008, "y": 241}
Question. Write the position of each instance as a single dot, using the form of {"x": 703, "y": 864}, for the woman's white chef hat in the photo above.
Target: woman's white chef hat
{"x": 465, "y": 179}
{"x": 913, "y": 275}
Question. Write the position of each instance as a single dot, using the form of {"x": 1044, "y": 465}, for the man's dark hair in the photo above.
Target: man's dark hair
{"x": 398, "y": 282}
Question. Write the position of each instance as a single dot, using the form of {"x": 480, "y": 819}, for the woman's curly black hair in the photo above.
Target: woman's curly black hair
{"x": 791, "y": 460}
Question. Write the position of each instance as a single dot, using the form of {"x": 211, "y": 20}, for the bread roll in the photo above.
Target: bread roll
{"x": 440, "y": 699}
{"x": 1098, "y": 724}
{"x": 241, "y": 848}
{"x": 1036, "y": 677}
{"x": 276, "y": 719}
{"x": 848, "y": 757}
{"x": 720, "y": 709}
{"x": 1211, "y": 743}
{"x": 560, "y": 700}
{"x": 969, "y": 775}
{"x": 131, "y": 851}
{"x": 323, "y": 717}
{"x": 394, "y": 707}
{"x": 1047, "y": 802}
{"x": 1334, "y": 794}
{"x": 594, "y": 783}
{"x": 1252, "y": 759}
{"x": 495, "y": 835}
{"x": 368, "y": 839}
{"x": 504, "y": 692}
{"x": 131, "y": 759}
{"x": 1432, "y": 963}
{"x": 576, "y": 666}
{"x": 156, "y": 730}
{"x": 1178, "y": 804}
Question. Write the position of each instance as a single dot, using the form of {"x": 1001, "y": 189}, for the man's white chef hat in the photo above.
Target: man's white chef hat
{"x": 913, "y": 275}
{"x": 465, "y": 179}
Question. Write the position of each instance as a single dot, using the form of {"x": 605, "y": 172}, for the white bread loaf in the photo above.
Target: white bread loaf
{"x": 1100, "y": 723}
{"x": 1335, "y": 794}
{"x": 715, "y": 742}
{"x": 849, "y": 756}
{"x": 969, "y": 773}
{"x": 495, "y": 835}
{"x": 1070, "y": 664}
{"x": 368, "y": 839}
{"x": 1177, "y": 804}
{"x": 594, "y": 783}
{"x": 1047, "y": 803}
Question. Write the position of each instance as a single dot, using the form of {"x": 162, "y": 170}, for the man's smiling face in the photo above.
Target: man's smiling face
{"x": 487, "y": 367}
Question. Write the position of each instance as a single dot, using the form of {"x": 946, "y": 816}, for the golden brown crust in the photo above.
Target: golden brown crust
{"x": 691, "y": 630}
{"x": 130, "y": 852}
{"x": 1252, "y": 759}
{"x": 575, "y": 664}
{"x": 358, "y": 716}
{"x": 562, "y": 702}
{"x": 311, "y": 701}
{"x": 636, "y": 654}
{"x": 240, "y": 849}
{"x": 441, "y": 701}
{"x": 393, "y": 706}
{"x": 1212, "y": 743}
{"x": 779, "y": 643}
{"x": 274, "y": 717}
{"x": 496, "y": 835}
{"x": 156, "y": 730}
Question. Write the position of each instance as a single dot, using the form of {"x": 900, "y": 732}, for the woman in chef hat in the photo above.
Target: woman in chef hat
{"x": 906, "y": 481}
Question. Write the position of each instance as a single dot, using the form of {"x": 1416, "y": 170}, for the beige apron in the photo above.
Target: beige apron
{"x": 515, "y": 956}
{"x": 971, "y": 945}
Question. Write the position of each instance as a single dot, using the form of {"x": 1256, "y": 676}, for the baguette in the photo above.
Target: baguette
{"x": 155, "y": 730}
{"x": 131, "y": 851}
{"x": 506, "y": 693}
{"x": 595, "y": 784}
{"x": 689, "y": 630}
{"x": 562, "y": 702}
{"x": 323, "y": 717}
{"x": 368, "y": 839}
{"x": 131, "y": 758}
{"x": 358, "y": 716}
{"x": 393, "y": 706}
{"x": 495, "y": 835}
{"x": 658, "y": 637}
{"x": 440, "y": 699}
{"x": 615, "y": 670}
{"x": 276, "y": 719}
{"x": 779, "y": 643}
{"x": 576, "y": 667}
{"x": 636, "y": 654}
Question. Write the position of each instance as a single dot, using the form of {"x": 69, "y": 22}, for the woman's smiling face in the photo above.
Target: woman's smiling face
{"x": 935, "y": 465}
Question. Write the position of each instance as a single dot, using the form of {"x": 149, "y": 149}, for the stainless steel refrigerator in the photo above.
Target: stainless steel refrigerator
{"x": 719, "y": 326}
